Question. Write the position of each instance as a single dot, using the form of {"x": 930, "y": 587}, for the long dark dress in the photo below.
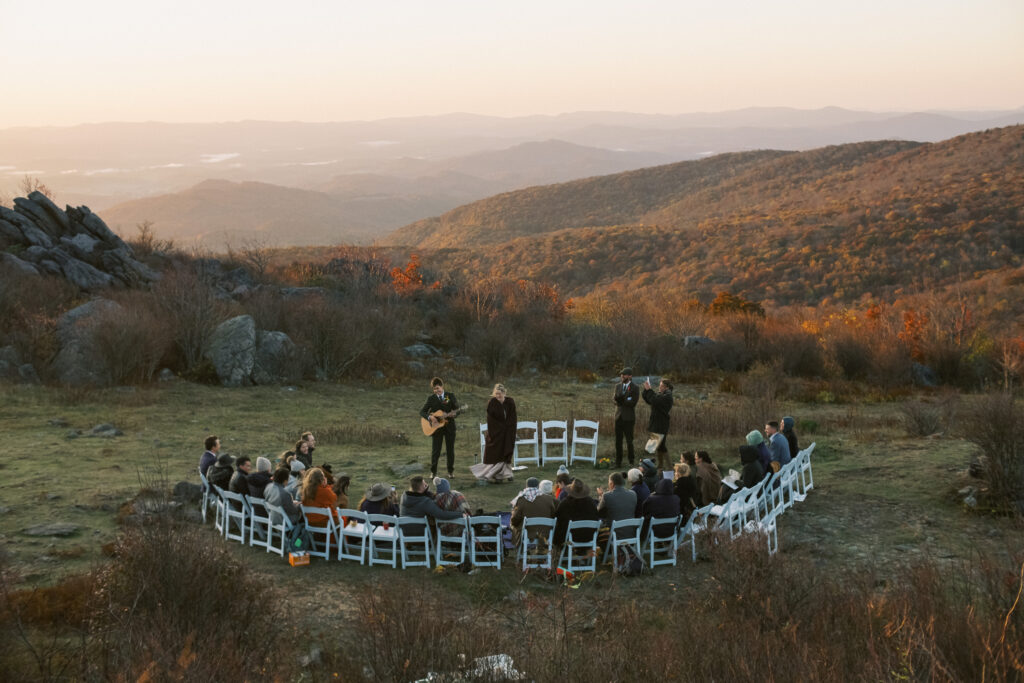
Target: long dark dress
{"x": 501, "y": 441}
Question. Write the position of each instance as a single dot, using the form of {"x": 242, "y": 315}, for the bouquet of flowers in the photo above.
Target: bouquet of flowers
{"x": 603, "y": 464}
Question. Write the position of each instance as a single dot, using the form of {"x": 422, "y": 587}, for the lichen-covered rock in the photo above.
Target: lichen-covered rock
{"x": 275, "y": 359}
{"x": 75, "y": 363}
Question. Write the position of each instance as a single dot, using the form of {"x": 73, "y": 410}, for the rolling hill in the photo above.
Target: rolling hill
{"x": 833, "y": 224}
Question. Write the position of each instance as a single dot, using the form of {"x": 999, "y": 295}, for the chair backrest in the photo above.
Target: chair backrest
{"x": 626, "y": 528}
{"x": 538, "y": 523}
{"x": 382, "y": 524}
{"x": 453, "y": 529}
{"x": 578, "y": 425}
{"x": 352, "y": 516}
{"x": 320, "y": 524}
{"x": 527, "y": 424}
{"x": 256, "y": 509}
{"x": 486, "y": 527}
{"x": 414, "y": 528}
{"x": 237, "y": 498}
{"x": 278, "y": 518}
{"x": 578, "y": 529}
{"x": 663, "y": 524}
{"x": 563, "y": 438}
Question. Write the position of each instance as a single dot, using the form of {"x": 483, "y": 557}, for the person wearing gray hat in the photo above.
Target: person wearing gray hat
{"x": 626, "y": 397}
{"x": 379, "y": 500}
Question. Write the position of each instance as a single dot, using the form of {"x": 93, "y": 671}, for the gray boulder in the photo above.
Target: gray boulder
{"x": 421, "y": 350}
{"x": 84, "y": 276}
{"x": 31, "y": 235}
{"x": 275, "y": 361}
{"x": 694, "y": 341}
{"x": 53, "y": 529}
{"x": 15, "y": 262}
{"x": 923, "y": 376}
{"x": 296, "y": 292}
{"x": 188, "y": 492}
{"x": 232, "y": 350}
{"x": 27, "y": 374}
{"x": 167, "y": 375}
{"x": 95, "y": 226}
{"x": 75, "y": 363}
{"x": 82, "y": 246}
{"x": 38, "y": 214}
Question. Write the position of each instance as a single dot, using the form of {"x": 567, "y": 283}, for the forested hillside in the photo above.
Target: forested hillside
{"x": 829, "y": 225}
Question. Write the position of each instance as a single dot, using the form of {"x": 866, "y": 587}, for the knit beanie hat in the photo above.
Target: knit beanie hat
{"x": 562, "y": 469}
{"x": 634, "y": 475}
{"x": 546, "y": 486}
{"x": 532, "y": 483}
{"x": 297, "y": 466}
{"x": 754, "y": 438}
{"x": 262, "y": 464}
{"x": 442, "y": 485}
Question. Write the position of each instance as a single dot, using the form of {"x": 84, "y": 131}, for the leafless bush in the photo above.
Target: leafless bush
{"x": 193, "y": 309}
{"x": 997, "y": 427}
{"x": 145, "y": 242}
{"x": 920, "y": 418}
{"x": 131, "y": 340}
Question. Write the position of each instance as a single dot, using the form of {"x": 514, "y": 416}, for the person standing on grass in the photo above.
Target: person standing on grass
{"x": 209, "y": 457}
{"x": 661, "y": 404}
{"x": 502, "y": 420}
{"x": 444, "y": 401}
{"x": 626, "y": 397}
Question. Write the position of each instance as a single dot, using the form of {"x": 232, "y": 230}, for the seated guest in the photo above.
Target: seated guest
{"x": 259, "y": 479}
{"x": 617, "y": 502}
{"x": 379, "y": 500}
{"x": 709, "y": 478}
{"x": 302, "y": 453}
{"x": 650, "y": 473}
{"x": 340, "y": 488}
{"x": 562, "y": 483}
{"x": 662, "y": 503}
{"x": 753, "y": 471}
{"x": 240, "y": 479}
{"x": 756, "y": 440}
{"x": 788, "y": 424}
{"x": 546, "y": 486}
{"x": 418, "y": 502}
{"x": 576, "y": 505}
{"x": 685, "y": 486}
{"x": 450, "y": 500}
{"x": 310, "y": 441}
{"x": 315, "y": 493}
{"x": 636, "y": 480}
{"x": 220, "y": 473}
{"x": 209, "y": 456}
{"x": 297, "y": 470}
{"x": 328, "y": 474}
{"x": 276, "y": 494}
{"x": 777, "y": 445}
{"x": 532, "y": 502}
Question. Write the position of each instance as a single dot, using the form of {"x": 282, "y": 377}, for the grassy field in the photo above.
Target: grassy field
{"x": 881, "y": 496}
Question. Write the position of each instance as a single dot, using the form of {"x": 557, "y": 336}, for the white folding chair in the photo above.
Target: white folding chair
{"x": 697, "y": 523}
{"x": 219, "y": 509}
{"x": 353, "y": 535}
{"x": 320, "y": 531}
{"x": 414, "y": 541}
{"x": 279, "y": 524}
{"x": 485, "y": 546}
{"x": 806, "y": 473}
{"x": 383, "y": 540}
{"x": 532, "y": 440}
{"x": 209, "y": 497}
{"x": 656, "y": 543}
{"x": 579, "y": 439}
{"x": 235, "y": 510}
{"x": 451, "y": 538}
{"x": 558, "y": 438}
{"x": 534, "y": 549}
{"x": 259, "y": 522}
{"x": 578, "y": 547}
{"x": 483, "y": 439}
{"x": 624, "y": 532}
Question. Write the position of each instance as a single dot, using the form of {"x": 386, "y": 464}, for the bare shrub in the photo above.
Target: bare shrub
{"x": 192, "y": 307}
{"x": 29, "y": 308}
{"x": 920, "y": 418}
{"x": 997, "y": 427}
{"x": 130, "y": 341}
{"x": 145, "y": 243}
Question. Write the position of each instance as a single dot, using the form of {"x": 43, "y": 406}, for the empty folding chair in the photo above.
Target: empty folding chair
{"x": 219, "y": 509}
{"x": 259, "y": 522}
{"x": 452, "y": 537}
{"x": 236, "y": 515}
{"x": 532, "y": 439}
{"x": 322, "y": 530}
{"x": 383, "y": 539}
{"x": 483, "y": 439}
{"x": 534, "y": 549}
{"x": 578, "y": 439}
{"x": 698, "y": 523}
{"x": 579, "y": 552}
{"x": 554, "y": 433}
{"x": 624, "y": 532}
{"x": 353, "y": 535}
{"x": 485, "y": 547}
{"x": 209, "y": 496}
{"x": 806, "y": 473}
{"x": 662, "y": 539}
{"x": 280, "y": 526}
{"x": 414, "y": 540}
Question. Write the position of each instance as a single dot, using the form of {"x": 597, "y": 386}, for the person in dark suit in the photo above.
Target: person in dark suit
{"x": 448, "y": 404}
{"x": 661, "y": 404}
{"x": 626, "y": 397}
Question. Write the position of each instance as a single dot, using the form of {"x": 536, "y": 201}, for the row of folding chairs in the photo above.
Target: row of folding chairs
{"x": 566, "y": 445}
{"x": 757, "y": 508}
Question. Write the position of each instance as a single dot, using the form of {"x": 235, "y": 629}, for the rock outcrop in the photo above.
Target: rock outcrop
{"x": 243, "y": 355}
{"x": 38, "y": 237}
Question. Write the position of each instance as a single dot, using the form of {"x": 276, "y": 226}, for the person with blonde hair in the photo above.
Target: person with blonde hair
{"x": 501, "y": 439}
{"x": 685, "y": 486}
{"x": 317, "y": 494}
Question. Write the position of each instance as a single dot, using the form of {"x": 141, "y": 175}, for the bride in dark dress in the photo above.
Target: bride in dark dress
{"x": 501, "y": 438}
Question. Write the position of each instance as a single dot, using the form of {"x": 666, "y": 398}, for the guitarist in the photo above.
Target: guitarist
{"x": 448, "y": 404}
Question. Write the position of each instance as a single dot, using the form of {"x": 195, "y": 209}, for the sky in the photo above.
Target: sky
{"x": 69, "y": 62}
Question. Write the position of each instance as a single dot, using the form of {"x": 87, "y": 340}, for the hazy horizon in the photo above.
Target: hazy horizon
{"x": 188, "y": 62}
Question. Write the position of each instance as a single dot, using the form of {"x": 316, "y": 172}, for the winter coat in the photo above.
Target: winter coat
{"x": 501, "y": 431}
{"x": 220, "y": 475}
{"x": 686, "y": 489}
{"x": 422, "y": 505}
{"x": 572, "y": 509}
{"x": 618, "y": 503}
{"x": 709, "y": 481}
{"x": 778, "y": 446}
{"x": 275, "y": 494}
{"x": 660, "y": 404}
{"x": 642, "y": 491}
{"x": 752, "y": 472}
{"x": 239, "y": 483}
{"x": 662, "y": 503}
{"x": 206, "y": 461}
{"x": 543, "y": 505}
{"x": 258, "y": 483}
{"x": 324, "y": 498}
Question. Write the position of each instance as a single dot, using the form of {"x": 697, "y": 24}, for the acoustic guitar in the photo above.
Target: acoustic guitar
{"x": 441, "y": 420}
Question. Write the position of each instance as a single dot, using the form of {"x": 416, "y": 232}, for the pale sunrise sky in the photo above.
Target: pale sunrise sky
{"x": 71, "y": 62}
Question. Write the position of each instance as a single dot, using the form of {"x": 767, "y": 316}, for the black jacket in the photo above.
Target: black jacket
{"x": 753, "y": 470}
{"x": 220, "y": 475}
{"x": 625, "y": 402}
{"x": 686, "y": 489}
{"x": 571, "y": 509}
{"x": 660, "y": 404}
{"x": 240, "y": 483}
{"x": 435, "y": 404}
{"x": 662, "y": 503}
{"x": 257, "y": 483}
